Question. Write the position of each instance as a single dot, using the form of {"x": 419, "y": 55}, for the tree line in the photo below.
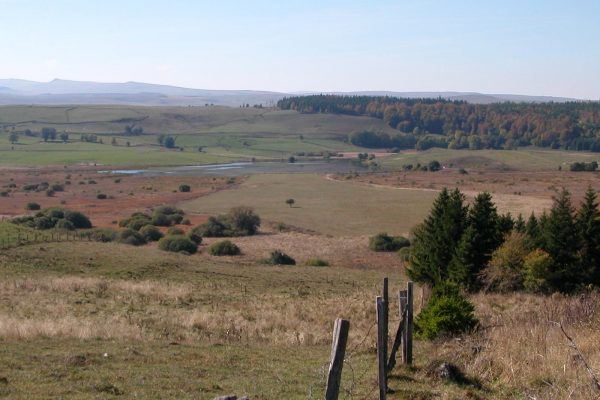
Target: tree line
{"x": 477, "y": 248}
{"x": 458, "y": 124}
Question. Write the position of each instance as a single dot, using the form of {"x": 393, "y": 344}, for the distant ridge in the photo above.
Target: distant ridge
{"x": 59, "y": 91}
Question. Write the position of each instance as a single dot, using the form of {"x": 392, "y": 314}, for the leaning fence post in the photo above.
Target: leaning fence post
{"x": 338, "y": 351}
{"x": 381, "y": 361}
{"x": 408, "y": 331}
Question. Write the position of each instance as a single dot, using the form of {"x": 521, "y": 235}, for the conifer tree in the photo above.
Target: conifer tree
{"x": 463, "y": 267}
{"x": 520, "y": 225}
{"x": 562, "y": 242}
{"x": 436, "y": 238}
{"x": 588, "y": 221}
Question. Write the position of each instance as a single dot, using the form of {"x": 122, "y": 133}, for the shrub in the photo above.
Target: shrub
{"x": 104, "y": 235}
{"x": 537, "y": 267}
{"x": 447, "y": 313}
{"x": 57, "y": 187}
{"x": 79, "y": 220}
{"x": 131, "y": 237}
{"x": 177, "y": 243}
{"x": 175, "y": 231}
{"x": 44, "y": 222}
{"x": 194, "y": 237}
{"x": 185, "y": 188}
{"x": 384, "y": 242}
{"x": 49, "y": 193}
{"x": 214, "y": 227}
{"x": 317, "y": 262}
{"x": 65, "y": 224}
{"x": 224, "y": 248}
{"x": 136, "y": 221}
{"x": 150, "y": 233}
{"x": 243, "y": 220}
{"x": 101, "y": 196}
{"x": 32, "y": 206}
{"x": 167, "y": 216}
{"x": 280, "y": 258}
{"x": 505, "y": 270}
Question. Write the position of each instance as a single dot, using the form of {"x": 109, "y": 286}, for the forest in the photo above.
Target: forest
{"x": 426, "y": 123}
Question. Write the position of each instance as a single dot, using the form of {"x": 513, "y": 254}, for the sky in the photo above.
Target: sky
{"x": 529, "y": 47}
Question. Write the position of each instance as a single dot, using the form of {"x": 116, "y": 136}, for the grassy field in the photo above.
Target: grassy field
{"x": 226, "y": 134}
{"x": 322, "y": 205}
{"x": 92, "y": 320}
{"x": 522, "y": 159}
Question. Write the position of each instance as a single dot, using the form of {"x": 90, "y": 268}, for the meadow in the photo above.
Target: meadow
{"x": 88, "y": 320}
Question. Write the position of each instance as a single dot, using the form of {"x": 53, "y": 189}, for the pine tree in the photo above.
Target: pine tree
{"x": 588, "y": 221}
{"x": 436, "y": 238}
{"x": 479, "y": 240}
{"x": 520, "y": 225}
{"x": 562, "y": 242}
{"x": 463, "y": 268}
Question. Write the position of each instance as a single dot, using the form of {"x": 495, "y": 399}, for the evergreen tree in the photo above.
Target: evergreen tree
{"x": 562, "y": 242}
{"x": 436, "y": 238}
{"x": 520, "y": 225}
{"x": 588, "y": 221}
{"x": 478, "y": 242}
{"x": 464, "y": 266}
{"x": 505, "y": 224}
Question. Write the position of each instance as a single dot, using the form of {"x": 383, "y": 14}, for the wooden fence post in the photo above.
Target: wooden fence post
{"x": 408, "y": 330}
{"x": 400, "y": 332}
{"x": 381, "y": 361}
{"x": 338, "y": 351}
{"x": 386, "y": 317}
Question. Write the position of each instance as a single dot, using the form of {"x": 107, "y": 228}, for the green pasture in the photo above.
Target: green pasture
{"x": 326, "y": 206}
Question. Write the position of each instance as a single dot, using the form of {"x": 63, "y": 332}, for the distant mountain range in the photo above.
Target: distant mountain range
{"x": 58, "y": 91}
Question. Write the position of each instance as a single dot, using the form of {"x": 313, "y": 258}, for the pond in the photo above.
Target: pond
{"x": 247, "y": 168}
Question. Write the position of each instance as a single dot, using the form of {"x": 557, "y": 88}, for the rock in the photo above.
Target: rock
{"x": 228, "y": 397}
{"x": 445, "y": 371}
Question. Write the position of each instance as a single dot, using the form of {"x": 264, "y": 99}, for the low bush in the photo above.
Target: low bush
{"x": 150, "y": 233}
{"x": 224, "y": 248}
{"x": 280, "y": 258}
{"x": 32, "y": 206}
{"x": 131, "y": 237}
{"x": 194, "y": 237}
{"x": 447, "y": 313}
{"x": 104, "y": 235}
{"x": 101, "y": 196}
{"x": 185, "y": 188}
{"x": 177, "y": 243}
{"x": 214, "y": 227}
{"x": 317, "y": 262}
{"x": 65, "y": 224}
{"x": 239, "y": 221}
{"x": 79, "y": 220}
{"x": 385, "y": 242}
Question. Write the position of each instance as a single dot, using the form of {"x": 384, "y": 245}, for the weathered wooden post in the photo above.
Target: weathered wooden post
{"x": 338, "y": 351}
{"x": 381, "y": 361}
{"x": 400, "y": 332}
{"x": 408, "y": 328}
{"x": 386, "y": 316}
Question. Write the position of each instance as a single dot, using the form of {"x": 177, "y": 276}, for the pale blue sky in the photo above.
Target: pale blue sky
{"x": 541, "y": 47}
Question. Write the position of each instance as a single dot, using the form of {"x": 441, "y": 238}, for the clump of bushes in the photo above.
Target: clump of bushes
{"x": 167, "y": 216}
{"x": 54, "y": 217}
{"x": 224, "y": 248}
{"x": 136, "y": 221}
{"x": 32, "y": 206}
{"x": 177, "y": 244}
{"x": 131, "y": 237}
{"x": 101, "y": 196}
{"x": 317, "y": 262}
{"x": 239, "y": 221}
{"x": 385, "y": 242}
{"x": 150, "y": 233}
{"x": 104, "y": 235}
{"x": 185, "y": 188}
{"x": 280, "y": 258}
{"x": 447, "y": 313}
